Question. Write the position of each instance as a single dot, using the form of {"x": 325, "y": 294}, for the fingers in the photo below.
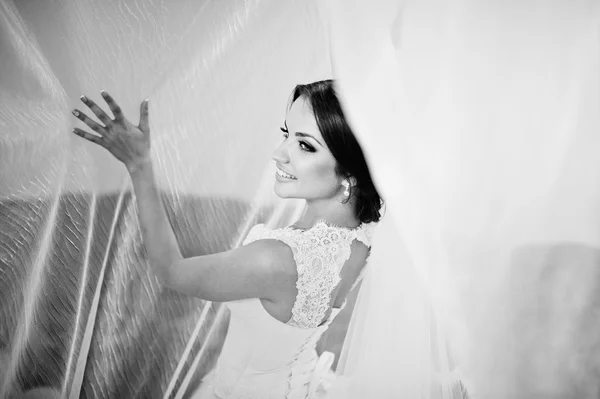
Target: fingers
{"x": 144, "y": 119}
{"x": 88, "y": 136}
{"x": 114, "y": 107}
{"x": 89, "y": 121}
{"x": 97, "y": 110}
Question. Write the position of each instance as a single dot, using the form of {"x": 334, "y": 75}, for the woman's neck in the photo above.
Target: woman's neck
{"x": 334, "y": 213}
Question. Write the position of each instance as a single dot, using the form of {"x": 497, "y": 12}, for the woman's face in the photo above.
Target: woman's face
{"x": 305, "y": 166}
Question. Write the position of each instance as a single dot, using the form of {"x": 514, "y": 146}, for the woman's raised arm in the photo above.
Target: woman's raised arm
{"x": 264, "y": 269}
{"x": 130, "y": 144}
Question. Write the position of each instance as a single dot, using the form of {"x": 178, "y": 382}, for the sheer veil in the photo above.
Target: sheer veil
{"x": 480, "y": 124}
{"x": 392, "y": 345}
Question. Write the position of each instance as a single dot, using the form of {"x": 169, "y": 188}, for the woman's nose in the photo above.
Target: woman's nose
{"x": 281, "y": 154}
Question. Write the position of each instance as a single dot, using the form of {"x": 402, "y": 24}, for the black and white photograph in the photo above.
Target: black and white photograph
{"x": 299, "y": 199}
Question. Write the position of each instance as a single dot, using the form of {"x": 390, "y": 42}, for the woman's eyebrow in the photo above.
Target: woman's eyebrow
{"x": 301, "y": 134}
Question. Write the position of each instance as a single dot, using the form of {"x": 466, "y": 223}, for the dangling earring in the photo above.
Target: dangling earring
{"x": 346, "y": 184}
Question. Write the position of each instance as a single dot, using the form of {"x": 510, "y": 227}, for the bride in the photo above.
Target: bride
{"x": 283, "y": 286}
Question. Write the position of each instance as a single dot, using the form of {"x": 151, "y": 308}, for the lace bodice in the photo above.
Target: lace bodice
{"x": 320, "y": 253}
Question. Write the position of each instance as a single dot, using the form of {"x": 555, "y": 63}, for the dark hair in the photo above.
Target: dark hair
{"x": 343, "y": 145}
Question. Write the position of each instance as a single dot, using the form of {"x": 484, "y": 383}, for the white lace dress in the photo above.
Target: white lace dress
{"x": 264, "y": 358}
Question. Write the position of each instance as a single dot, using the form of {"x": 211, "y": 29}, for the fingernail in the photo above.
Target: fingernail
{"x": 103, "y": 92}
{"x": 75, "y": 112}
{"x": 83, "y": 98}
{"x": 75, "y": 131}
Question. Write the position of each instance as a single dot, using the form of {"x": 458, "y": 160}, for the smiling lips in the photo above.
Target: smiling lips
{"x": 285, "y": 175}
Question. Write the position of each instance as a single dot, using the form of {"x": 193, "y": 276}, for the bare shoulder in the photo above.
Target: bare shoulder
{"x": 272, "y": 262}
{"x": 274, "y": 255}
{"x": 262, "y": 269}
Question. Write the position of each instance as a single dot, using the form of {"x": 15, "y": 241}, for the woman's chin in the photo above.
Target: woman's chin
{"x": 281, "y": 192}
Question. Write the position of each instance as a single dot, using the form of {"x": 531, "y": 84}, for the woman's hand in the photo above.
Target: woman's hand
{"x": 131, "y": 145}
{"x": 128, "y": 143}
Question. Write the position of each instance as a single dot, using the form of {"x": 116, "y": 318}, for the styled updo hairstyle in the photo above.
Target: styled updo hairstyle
{"x": 343, "y": 145}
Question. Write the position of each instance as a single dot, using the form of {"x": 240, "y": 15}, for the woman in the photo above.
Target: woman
{"x": 283, "y": 286}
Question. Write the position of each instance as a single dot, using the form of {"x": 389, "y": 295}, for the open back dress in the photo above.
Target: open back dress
{"x": 264, "y": 358}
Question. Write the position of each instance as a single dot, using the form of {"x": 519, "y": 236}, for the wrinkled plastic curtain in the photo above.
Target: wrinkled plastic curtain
{"x": 80, "y": 313}
{"x": 481, "y": 123}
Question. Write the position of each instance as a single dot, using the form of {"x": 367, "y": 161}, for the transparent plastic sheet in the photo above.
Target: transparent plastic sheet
{"x": 480, "y": 121}
{"x": 80, "y": 313}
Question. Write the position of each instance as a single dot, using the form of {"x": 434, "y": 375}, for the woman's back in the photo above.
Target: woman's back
{"x": 266, "y": 357}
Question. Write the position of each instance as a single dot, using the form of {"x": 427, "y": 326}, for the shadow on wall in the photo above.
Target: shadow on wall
{"x": 141, "y": 329}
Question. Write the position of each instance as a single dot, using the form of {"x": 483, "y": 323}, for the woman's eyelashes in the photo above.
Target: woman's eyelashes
{"x": 303, "y": 144}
